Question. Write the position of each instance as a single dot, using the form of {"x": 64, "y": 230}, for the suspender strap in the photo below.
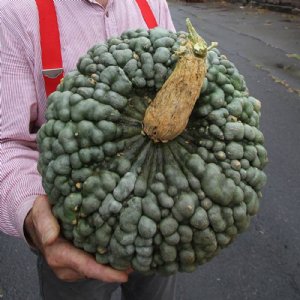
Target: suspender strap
{"x": 50, "y": 41}
{"x": 50, "y": 45}
{"x": 147, "y": 13}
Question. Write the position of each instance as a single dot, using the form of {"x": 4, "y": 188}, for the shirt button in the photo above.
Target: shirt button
{"x": 107, "y": 14}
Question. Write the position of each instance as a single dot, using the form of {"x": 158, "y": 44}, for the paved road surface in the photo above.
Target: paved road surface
{"x": 264, "y": 262}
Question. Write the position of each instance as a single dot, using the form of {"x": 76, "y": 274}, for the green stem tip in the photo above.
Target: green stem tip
{"x": 198, "y": 43}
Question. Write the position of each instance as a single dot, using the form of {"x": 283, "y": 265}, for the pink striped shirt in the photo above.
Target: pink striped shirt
{"x": 82, "y": 24}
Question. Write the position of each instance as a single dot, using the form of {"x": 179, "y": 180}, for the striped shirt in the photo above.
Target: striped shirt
{"x": 82, "y": 23}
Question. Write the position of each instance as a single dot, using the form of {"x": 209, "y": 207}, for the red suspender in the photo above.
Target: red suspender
{"x": 50, "y": 41}
{"x": 147, "y": 13}
{"x": 50, "y": 45}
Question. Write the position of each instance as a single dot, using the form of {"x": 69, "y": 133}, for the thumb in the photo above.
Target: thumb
{"x": 47, "y": 227}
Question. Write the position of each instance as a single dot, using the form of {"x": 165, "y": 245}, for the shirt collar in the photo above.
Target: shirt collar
{"x": 95, "y": 2}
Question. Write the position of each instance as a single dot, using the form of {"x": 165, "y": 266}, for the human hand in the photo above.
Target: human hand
{"x": 67, "y": 262}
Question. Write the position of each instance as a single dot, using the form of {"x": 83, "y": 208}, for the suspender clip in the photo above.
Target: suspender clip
{"x": 52, "y": 73}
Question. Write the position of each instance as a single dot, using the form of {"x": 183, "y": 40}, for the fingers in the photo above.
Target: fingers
{"x": 46, "y": 226}
{"x": 61, "y": 253}
{"x": 68, "y": 262}
{"x": 87, "y": 265}
{"x": 68, "y": 275}
{"x": 104, "y": 273}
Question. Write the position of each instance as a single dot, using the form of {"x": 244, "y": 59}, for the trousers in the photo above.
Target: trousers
{"x": 138, "y": 287}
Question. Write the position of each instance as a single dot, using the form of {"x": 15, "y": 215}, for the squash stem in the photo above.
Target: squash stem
{"x": 197, "y": 43}
{"x": 167, "y": 115}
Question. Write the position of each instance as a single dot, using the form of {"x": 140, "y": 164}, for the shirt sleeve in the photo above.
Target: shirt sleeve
{"x": 20, "y": 181}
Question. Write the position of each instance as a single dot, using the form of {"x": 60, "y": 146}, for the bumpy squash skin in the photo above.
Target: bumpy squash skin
{"x": 128, "y": 200}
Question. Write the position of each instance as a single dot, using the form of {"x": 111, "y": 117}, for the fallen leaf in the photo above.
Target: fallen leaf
{"x": 293, "y": 55}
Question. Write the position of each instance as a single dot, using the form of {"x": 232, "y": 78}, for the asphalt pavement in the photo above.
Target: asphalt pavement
{"x": 264, "y": 262}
